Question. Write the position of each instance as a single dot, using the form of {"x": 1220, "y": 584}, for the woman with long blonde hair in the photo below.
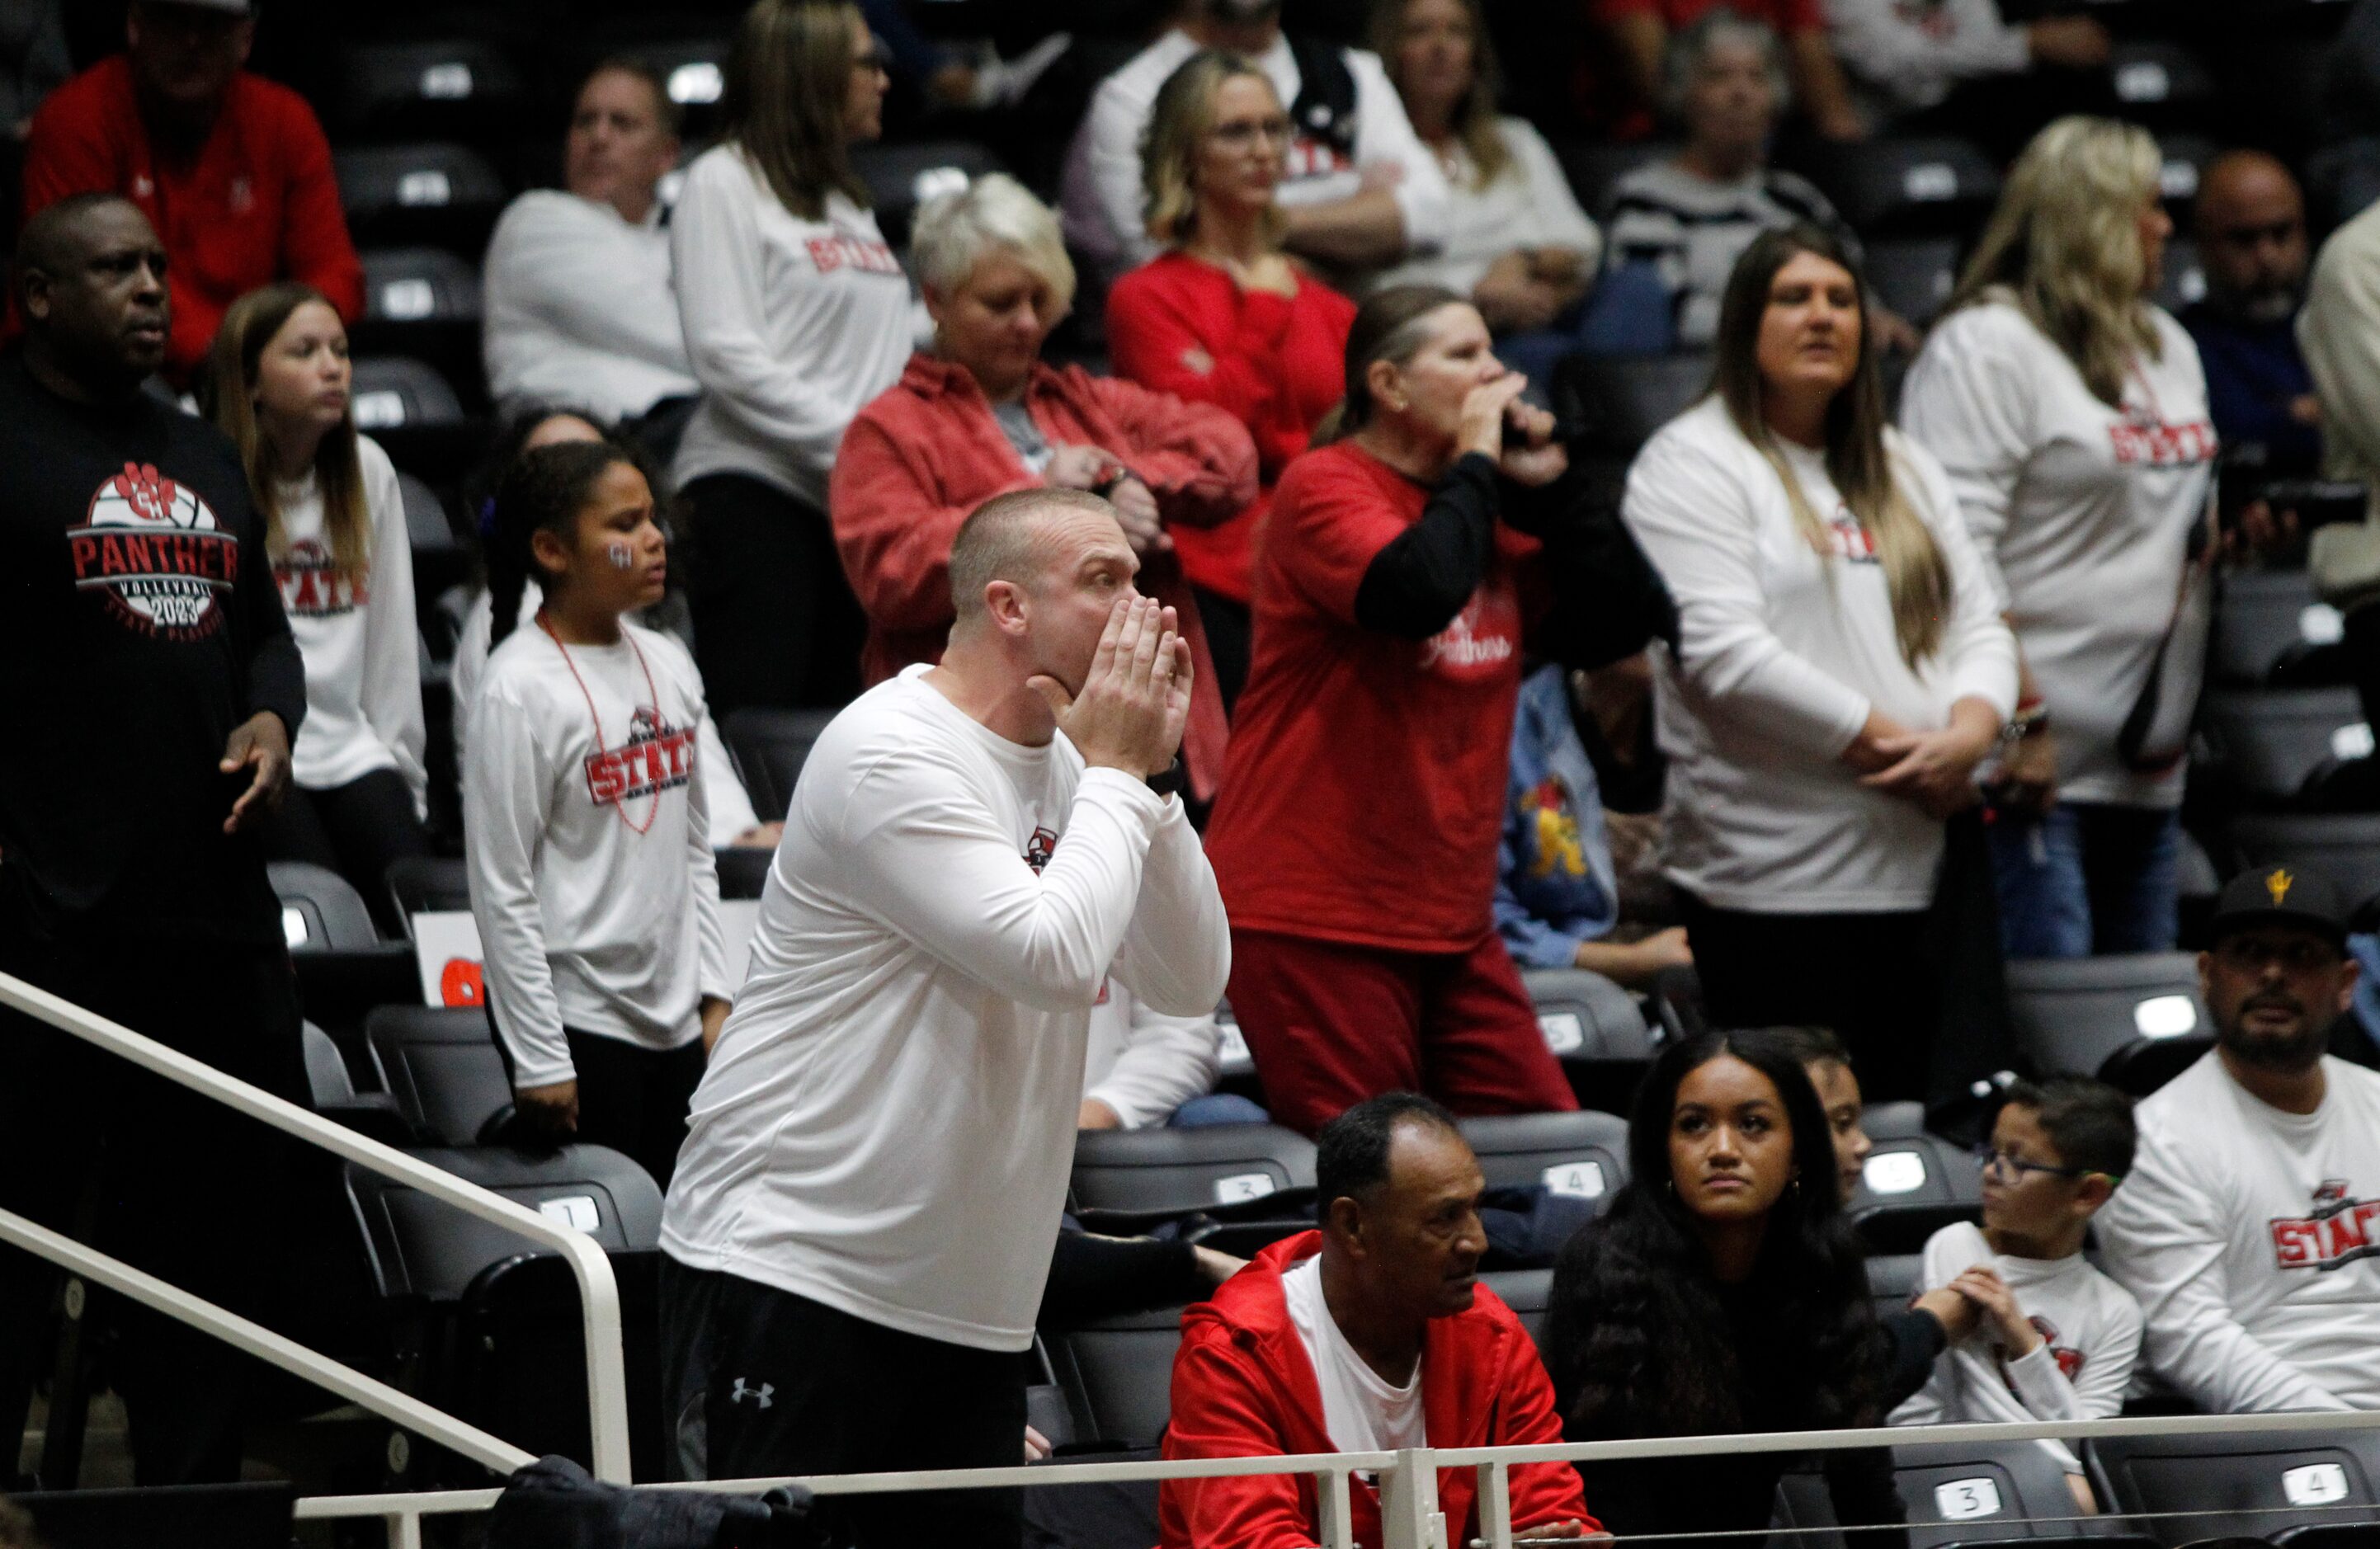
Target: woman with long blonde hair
{"x": 796, "y": 313}
{"x": 279, "y": 386}
{"x": 1840, "y": 669}
{"x": 2071, "y": 414}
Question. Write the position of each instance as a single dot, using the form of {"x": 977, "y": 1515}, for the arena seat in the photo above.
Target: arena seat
{"x": 396, "y": 392}
{"x": 1914, "y": 275}
{"x": 1123, "y": 1176}
{"x": 2160, "y": 83}
{"x": 2346, "y": 845}
{"x": 1911, "y": 1187}
{"x": 1893, "y": 1279}
{"x": 440, "y": 561}
{"x": 319, "y": 911}
{"x": 425, "y": 303}
{"x": 1584, "y": 1154}
{"x": 2329, "y": 1476}
{"x": 2269, "y": 629}
{"x": 256, "y": 1514}
{"x": 442, "y": 1066}
{"x": 1596, "y": 1029}
{"x": 2270, "y": 742}
{"x": 429, "y": 884}
{"x": 2075, "y": 1014}
{"x": 333, "y": 1087}
{"x": 2184, "y": 282}
{"x": 1979, "y": 1496}
{"x": 693, "y": 71}
{"x": 486, "y": 1327}
{"x": 769, "y": 747}
{"x": 1594, "y": 167}
{"x": 2186, "y": 160}
{"x": 1903, "y": 1121}
{"x": 1529, "y": 1292}
{"x": 1611, "y": 406}
{"x": 1117, "y": 1374}
{"x": 1926, "y": 187}
{"x": 344, "y": 968}
{"x": 450, "y": 89}
{"x": 900, "y": 177}
{"x": 442, "y": 194}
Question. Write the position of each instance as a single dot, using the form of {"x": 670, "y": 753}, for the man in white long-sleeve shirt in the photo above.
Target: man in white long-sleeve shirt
{"x": 863, "y": 1216}
{"x": 2249, "y": 1228}
{"x": 580, "y": 312}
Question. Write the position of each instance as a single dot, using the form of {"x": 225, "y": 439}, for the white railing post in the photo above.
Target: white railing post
{"x": 599, "y": 1292}
{"x": 404, "y": 1529}
{"x": 1337, "y": 1526}
{"x": 1496, "y": 1505}
{"x": 1409, "y": 1514}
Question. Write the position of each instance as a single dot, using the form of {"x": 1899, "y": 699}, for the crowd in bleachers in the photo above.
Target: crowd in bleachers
{"x": 1720, "y": 562}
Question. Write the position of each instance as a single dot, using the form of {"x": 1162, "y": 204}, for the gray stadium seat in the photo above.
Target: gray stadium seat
{"x": 2075, "y": 1014}
{"x": 1528, "y": 1291}
{"x": 1118, "y": 1375}
{"x": 1619, "y": 402}
{"x": 419, "y": 284}
{"x": 429, "y": 884}
{"x": 333, "y": 1087}
{"x": 769, "y": 747}
{"x": 1156, "y": 1173}
{"x": 2185, "y": 276}
{"x": 2329, "y": 1476}
{"x": 2344, "y": 845}
{"x": 442, "y": 1066}
{"x": 1903, "y": 1120}
{"x": 395, "y": 392}
{"x": 1893, "y": 1279}
{"x": 2270, "y": 742}
{"x": 2160, "y": 82}
{"x": 319, "y": 911}
{"x": 459, "y": 87}
{"x": 1935, "y": 186}
{"x": 1594, "y": 166}
{"x": 2266, "y": 625}
{"x": 1979, "y": 1496}
{"x": 1584, "y": 1154}
{"x": 1914, "y": 275}
{"x": 440, "y": 561}
{"x": 439, "y": 193}
{"x": 692, "y": 70}
{"x": 902, "y": 177}
{"x": 1596, "y": 1029}
{"x": 2186, "y": 159}
{"x": 1912, "y": 1187}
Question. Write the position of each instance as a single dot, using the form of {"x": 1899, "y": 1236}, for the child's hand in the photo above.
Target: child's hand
{"x": 1984, "y": 1286}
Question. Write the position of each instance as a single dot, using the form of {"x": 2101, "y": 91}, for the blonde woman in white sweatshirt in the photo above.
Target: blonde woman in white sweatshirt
{"x": 2071, "y": 414}
{"x": 1839, "y": 671}
{"x": 278, "y": 384}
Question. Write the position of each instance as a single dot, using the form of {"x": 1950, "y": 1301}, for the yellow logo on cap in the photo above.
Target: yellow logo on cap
{"x": 2279, "y": 884}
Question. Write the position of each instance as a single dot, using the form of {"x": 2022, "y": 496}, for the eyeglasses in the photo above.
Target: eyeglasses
{"x": 1240, "y": 133}
{"x": 2295, "y": 954}
{"x": 2012, "y": 1168}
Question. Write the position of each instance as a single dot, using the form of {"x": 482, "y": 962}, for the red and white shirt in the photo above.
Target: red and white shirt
{"x": 2252, "y": 1238}
{"x": 1364, "y": 768}
{"x": 586, "y": 830}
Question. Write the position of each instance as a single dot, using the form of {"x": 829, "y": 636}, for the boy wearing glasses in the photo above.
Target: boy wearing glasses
{"x": 2055, "y": 1338}
{"x": 2250, "y": 1228}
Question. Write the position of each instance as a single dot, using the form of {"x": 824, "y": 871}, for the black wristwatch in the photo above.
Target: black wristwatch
{"x": 1172, "y": 780}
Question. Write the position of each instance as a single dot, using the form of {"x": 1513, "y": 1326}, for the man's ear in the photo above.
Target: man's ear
{"x": 2349, "y": 978}
{"x": 33, "y": 295}
{"x": 1004, "y": 601}
{"x": 1345, "y": 1217}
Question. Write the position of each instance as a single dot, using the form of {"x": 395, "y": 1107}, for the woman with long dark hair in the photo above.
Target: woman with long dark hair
{"x": 1841, "y": 669}
{"x": 796, "y": 313}
{"x": 1723, "y": 1292}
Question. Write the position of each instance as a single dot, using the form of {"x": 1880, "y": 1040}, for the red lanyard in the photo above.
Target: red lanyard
{"x": 652, "y": 695}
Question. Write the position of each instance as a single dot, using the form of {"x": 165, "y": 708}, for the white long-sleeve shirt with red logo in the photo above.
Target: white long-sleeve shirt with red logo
{"x": 2251, "y": 1238}
{"x": 592, "y": 877}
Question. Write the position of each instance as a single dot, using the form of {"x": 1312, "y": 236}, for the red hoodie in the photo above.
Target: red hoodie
{"x": 928, "y": 451}
{"x": 1244, "y": 1387}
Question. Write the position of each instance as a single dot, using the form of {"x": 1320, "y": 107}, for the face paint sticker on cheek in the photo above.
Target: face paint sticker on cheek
{"x": 622, "y": 556}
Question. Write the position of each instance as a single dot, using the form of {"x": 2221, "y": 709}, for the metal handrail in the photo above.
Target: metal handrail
{"x": 599, "y": 1294}
{"x": 1409, "y": 1478}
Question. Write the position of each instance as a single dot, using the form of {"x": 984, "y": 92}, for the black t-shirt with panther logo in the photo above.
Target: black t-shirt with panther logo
{"x": 138, "y": 626}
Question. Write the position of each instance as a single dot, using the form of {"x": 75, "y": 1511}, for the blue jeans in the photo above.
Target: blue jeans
{"x": 2088, "y": 879}
{"x": 1217, "y": 1108}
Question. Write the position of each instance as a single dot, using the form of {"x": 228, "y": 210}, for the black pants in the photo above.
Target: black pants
{"x": 775, "y": 622}
{"x": 355, "y": 829}
{"x": 1872, "y": 978}
{"x": 763, "y": 1383}
{"x": 170, "y": 1182}
{"x": 631, "y": 1098}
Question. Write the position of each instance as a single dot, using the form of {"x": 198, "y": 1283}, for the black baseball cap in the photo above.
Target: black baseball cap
{"x": 2282, "y": 895}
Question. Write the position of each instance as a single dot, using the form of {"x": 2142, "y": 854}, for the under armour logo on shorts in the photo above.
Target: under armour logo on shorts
{"x": 760, "y": 1393}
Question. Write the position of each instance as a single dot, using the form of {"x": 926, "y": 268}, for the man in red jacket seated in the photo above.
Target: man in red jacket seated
{"x": 231, "y": 169}
{"x": 1369, "y": 1336}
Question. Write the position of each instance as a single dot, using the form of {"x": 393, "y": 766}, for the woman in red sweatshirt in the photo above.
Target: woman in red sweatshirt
{"x": 1356, "y": 838}
{"x": 1223, "y": 317}
{"x": 983, "y": 414}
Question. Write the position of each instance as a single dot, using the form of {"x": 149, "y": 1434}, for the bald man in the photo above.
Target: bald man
{"x": 144, "y": 654}
{"x": 2252, "y": 237}
{"x": 864, "y": 1211}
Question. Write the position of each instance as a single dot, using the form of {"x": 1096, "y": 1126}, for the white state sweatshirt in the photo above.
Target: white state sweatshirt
{"x": 1144, "y": 1064}
{"x": 2090, "y": 1328}
{"x": 2083, "y": 513}
{"x": 592, "y": 880}
{"x": 1528, "y": 205}
{"x": 792, "y": 326}
{"x": 2252, "y": 1238}
{"x": 361, "y": 645}
{"x": 723, "y": 788}
{"x": 888, "y": 1120}
{"x": 1781, "y": 655}
{"x": 580, "y": 312}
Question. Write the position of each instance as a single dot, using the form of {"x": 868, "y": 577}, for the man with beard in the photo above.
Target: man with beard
{"x": 2249, "y": 1227}
{"x": 2252, "y": 237}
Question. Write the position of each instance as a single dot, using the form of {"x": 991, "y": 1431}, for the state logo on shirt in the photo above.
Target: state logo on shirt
{"x": 2337, "y": 1232}
{"x": 1039, "y": 848}
{"x": 1483, "y": 639}
{"x": 657, "y": 757}
{"x": 2069, "y": 1360}
{"x": 156, "y": 554}
{"x": 312, "y": 584}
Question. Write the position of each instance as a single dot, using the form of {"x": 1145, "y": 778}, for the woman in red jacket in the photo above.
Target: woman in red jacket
{"x": 1356, "y": 839}
{"x": 1223, "y": 317}
{"x": 983, "y": 414}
